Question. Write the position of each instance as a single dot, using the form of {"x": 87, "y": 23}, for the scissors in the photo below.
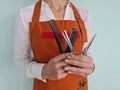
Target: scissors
{"x": 84, "y": 52}
{"x": 65, "y": 35}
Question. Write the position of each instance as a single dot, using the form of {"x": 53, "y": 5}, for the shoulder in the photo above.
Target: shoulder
{"x": 26, "y": 13}
{"x": 86, "y": 17}
{"x": 84, "y": 13}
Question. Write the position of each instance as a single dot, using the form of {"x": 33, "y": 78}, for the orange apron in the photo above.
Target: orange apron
{"x": 45, "y": 47}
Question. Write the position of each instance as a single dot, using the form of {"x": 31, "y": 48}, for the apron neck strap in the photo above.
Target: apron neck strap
{"x": 80, "y": 23}
{"x": 76, "y": 13}
{"x": 36, "y": 13}
{"x": 37, "y": 9}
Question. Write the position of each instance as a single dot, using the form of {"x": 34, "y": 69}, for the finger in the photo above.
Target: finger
{"x": 65, "y": 74}
{"x": 74, "y": 56}
{"x": 86, "y": 59}
{"x": 61, "y": 57}
{"x": 80, "y": 74}
{"x": 59, "y": 74}
{"x": 78, "y": 71}
{"x": 61, "y": 71}
{"x": 62, "y": 75}
{"x": 83, "y": 58}
{"x": 78, "y": 63}
{"x": 60, "y": 64}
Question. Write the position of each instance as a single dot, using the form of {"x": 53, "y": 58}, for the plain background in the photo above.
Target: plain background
{"x": 106, "y": 23}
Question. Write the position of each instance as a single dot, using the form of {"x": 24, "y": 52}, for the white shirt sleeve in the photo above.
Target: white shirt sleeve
{"x": 88, "y": 26}
{"x": 86, "y": 17}
{"x": 22, "y": 50}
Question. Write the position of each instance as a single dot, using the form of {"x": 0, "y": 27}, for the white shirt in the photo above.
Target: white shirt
{"x": 22, "y": 47}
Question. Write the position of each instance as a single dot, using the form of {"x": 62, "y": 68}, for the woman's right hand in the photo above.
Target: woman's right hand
{"x": 54, "y": 69}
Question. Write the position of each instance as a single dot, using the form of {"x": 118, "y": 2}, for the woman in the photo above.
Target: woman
{"x": 51, "y": 69}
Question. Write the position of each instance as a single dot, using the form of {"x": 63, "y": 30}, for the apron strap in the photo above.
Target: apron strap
{"x": 36, "y": 13}
{"x": 80, "y": 23}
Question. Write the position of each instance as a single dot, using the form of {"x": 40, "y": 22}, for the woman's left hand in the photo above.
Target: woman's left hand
{"x": 79, "y": 65}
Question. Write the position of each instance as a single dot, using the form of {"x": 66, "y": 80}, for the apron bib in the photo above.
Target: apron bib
{"x": 44, "y": 48}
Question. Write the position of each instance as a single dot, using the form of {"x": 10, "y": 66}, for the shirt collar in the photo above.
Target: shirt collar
{"x": 44, "y": 3}
{"x": 69, "y": 15}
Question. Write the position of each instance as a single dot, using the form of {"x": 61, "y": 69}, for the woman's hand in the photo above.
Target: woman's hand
{"x": 79, "y": 65}
{"x": 54, "y": 69}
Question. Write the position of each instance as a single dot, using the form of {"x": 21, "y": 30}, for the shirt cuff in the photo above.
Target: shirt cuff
{"x": 34, "y": 70}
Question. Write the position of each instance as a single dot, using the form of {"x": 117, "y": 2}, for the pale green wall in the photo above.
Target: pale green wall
{"x": 106, "y": 22}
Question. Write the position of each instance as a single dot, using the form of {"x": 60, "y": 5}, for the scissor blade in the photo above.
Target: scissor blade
{"x": 67, "y": 40}
{"x": 88, "y": 46}
{"x": 92, "y": 40}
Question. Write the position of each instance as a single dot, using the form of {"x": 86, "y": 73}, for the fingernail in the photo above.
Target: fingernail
{"x": 66, "y": 68}
{"x": 66, "y": 60}
{"x": 69, "y": 72}
{"x": 69, "y": 57}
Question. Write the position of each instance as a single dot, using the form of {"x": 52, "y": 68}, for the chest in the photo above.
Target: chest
{"x": 43, "y": 41}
